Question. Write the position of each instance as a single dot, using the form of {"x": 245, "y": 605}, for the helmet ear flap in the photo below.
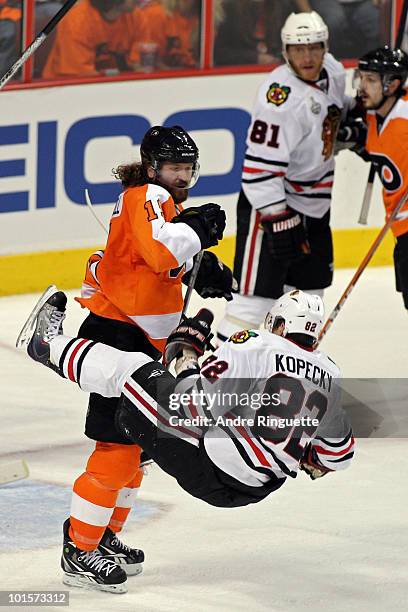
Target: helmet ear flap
{"x": 300, "y": 312}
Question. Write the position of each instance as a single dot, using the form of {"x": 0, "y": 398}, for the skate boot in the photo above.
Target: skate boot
{"x": 43, "y": 324}
{"x": 130, "y": 559}
{"x": 89, "y": 569}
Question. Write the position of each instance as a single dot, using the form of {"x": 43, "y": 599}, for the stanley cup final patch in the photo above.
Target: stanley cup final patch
{"x": 277, "y": 94}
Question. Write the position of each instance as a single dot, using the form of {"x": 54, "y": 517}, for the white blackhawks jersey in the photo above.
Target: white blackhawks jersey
{"x": 291, "y": 139}
{"x": 267, "y": 441}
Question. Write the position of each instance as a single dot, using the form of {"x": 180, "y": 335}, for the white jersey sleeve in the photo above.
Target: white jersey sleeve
{"x": 334, "y": 440}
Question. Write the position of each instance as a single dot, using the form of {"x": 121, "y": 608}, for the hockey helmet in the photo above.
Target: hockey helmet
{"x": 170, "y": 144}
{"x": 304, "y": 29}
{"x": 389, "y": 63}
{"x": 302, "y": 313}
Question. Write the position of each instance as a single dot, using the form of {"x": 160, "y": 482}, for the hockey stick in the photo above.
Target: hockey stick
{"x": 91, "y": 208}
{"x": 362, "y": 267}
{"x": 191, "y": 282}
{"x": 190, "y": 287}
{"x": 38, "y": 40}
{"x": 10, "y": 472}
{"x": 365, "y": 206}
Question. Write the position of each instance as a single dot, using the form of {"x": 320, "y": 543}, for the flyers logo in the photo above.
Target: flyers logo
{"x": 277, "y": 94}
{"x": 389, "y": 173}
{"x": 242, "y": 336}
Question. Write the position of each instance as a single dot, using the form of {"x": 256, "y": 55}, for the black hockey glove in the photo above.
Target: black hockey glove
{"x": 192, "y": 333}
{"x": 354, "y": 131}
{"x": 214, "y": 279}
{"x": 310, "y": 463}
{"x": 285, "y": 235}
{"x": 208, "y": 222}
{"x": 352, "y": 135}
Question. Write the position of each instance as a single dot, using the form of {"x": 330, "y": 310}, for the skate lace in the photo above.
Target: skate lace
{"x": 94, "y": 560}
{"x": 117, "y": 542}
{"x": 54, "y": 325}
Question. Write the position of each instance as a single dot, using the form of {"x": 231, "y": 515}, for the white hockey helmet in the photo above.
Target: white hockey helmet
{"x": 302, "y": 313}
{"x": 304, "y": 29}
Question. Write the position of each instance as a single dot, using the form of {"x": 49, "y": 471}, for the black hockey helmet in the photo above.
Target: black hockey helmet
{"x": 387, "y": 62}
{"x": 171, "y": 144}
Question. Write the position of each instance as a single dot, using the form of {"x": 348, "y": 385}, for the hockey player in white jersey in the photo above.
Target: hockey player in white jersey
{"x": 263, "y": 406}
{"x": 283, "y": 232}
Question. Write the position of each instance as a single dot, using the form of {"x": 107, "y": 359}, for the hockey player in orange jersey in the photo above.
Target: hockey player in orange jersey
{"x": 380, "y": 80}
{"x": 133, "y": 292}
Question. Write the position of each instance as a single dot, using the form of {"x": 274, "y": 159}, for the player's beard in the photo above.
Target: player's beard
{"x": 178, "y": 193}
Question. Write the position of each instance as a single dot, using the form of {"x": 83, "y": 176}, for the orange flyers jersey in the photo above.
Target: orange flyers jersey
{"x": 388, "y": 148}
{"x": 137, "y": 279}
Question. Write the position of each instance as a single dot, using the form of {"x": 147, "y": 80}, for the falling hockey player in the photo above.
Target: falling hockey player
{"x": 229, "y": 463}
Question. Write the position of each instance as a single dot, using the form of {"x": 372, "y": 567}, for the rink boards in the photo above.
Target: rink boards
{"x": 56, "y": 142}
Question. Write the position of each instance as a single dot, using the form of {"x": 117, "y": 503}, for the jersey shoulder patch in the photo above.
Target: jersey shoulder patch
{"x": 277, "y": 94}
{"x": 240, "y": 337}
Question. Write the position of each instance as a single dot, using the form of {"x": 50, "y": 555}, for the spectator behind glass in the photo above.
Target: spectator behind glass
{"x": 354, "y": 25}
{"x": 44, "y": 11}
{"x": 10, "y": 33}
{"x": 153, "y": 37}
{"x": 183, "y": 34}
{"x": 96, "y": 37}
{"x": 250, "y": 32}
{"x": 172, "y": 33}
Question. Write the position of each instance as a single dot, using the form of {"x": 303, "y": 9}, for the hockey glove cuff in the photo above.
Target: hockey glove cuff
{"x": 311, "y": 465}
{"x": 193, "y": 333}
{"x": 208, "y": 222}
{"x": 285, "y": 235}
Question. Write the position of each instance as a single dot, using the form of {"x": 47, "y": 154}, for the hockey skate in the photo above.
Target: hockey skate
{"x": 130, "y": 559}
{"x": 43, "y": 324}
{"x": 90, "y": 569}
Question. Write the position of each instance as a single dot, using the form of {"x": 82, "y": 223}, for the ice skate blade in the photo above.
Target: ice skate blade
{"x": 26, "y": 333}
{"x": 84, "y": 583}
{"x": 132, "y": 569}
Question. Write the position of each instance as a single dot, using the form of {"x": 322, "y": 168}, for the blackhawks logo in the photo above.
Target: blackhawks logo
{"x": 242, "y": 336}
{"x": 330, "y": 128}
{"x": 277, "y": 94}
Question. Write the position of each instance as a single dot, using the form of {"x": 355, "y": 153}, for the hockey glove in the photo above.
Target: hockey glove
{"x": 352, "y": 135}
{"x": 310, "y": 463}
{"x": 194, "y": 333}
{"x": 208, "y": 222}
{"x": 285, "y": 233}
{"x": 214, "y": 279}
